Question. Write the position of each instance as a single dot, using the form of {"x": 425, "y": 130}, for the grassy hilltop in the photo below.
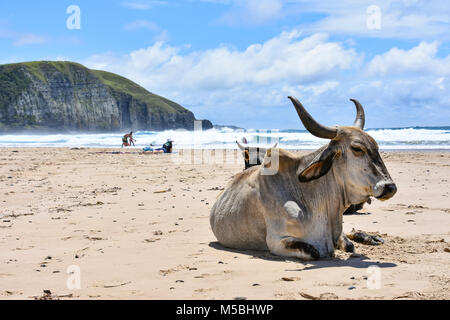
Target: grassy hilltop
{"x": 50, "y": 95}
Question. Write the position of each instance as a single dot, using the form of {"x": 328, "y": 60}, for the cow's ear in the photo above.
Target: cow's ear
{"x": 320, "y": 165}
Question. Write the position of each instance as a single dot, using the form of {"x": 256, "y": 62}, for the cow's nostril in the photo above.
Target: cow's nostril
{"x": 389, "y": 190}
{"x": 392, "y": 188}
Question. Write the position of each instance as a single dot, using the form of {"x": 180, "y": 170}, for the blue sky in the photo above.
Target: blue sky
{"x": 236, "y": 61}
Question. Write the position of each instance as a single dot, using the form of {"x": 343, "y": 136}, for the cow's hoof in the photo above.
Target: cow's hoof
{"x": 349, "y": 247}
{"x": 345, "y": 244}
{"x": 364, "y": 238}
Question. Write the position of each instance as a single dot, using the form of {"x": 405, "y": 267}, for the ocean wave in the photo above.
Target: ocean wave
{"x": 402, "y": 138}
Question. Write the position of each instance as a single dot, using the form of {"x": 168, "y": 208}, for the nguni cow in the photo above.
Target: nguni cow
{"x": 297, "y": 211}
{"x": 254, "y": 156}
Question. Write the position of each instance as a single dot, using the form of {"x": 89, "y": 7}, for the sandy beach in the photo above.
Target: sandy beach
{"x": 137, "y": 227}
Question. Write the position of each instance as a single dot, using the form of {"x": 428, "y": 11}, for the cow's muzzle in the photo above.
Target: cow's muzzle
{"x": 386, "y": 190}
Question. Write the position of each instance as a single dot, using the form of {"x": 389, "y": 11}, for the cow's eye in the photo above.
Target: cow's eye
{"x": 357, "y": 150}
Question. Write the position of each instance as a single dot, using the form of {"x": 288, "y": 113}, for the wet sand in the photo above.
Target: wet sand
{"x": 137, "y": 227}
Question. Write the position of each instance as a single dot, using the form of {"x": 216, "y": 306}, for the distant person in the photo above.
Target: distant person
{"x": 244, "y": 140}
{"x": 128, "y": 140}
{"x": 167, "y": 147}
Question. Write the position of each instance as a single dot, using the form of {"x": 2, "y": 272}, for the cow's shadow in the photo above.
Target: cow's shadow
{"x": 361, "y": 262}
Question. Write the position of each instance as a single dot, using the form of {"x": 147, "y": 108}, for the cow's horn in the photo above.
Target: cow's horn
{"x": 312, "y": 125}
{"x": 360, "y": 120}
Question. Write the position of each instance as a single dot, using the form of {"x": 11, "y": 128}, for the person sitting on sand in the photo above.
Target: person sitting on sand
{"x": 166, "y": 148}
{"x": 127, "y": 140}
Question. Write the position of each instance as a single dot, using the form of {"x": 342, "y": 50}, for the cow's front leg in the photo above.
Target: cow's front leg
{"x": 280, "y": 242}
{"x": 345, "y": 244}
{"x": 292, "y": 247}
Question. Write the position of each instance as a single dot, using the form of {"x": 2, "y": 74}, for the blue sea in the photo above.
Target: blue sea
{"x": 224, "y": 138}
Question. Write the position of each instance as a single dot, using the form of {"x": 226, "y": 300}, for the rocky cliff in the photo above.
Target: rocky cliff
{"x": 66, "y": 96}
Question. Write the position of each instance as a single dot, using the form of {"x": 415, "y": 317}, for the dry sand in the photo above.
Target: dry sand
{"x": 103, "y": 213}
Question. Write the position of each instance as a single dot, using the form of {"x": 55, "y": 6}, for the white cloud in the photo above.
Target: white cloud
{"x": 22, "y": 39}
{"x": 142, "y": 24}
{"x": 320, "y": 88}
{"x": 30, "y": 39}
{"x": 249, "y": 87}
{"x": 440, "y": 83}
{"x": 420, "y": 59}
{"x": 399, "y": 18}
{"x": 283, "y": 58}
{"x": 252, "y": 12}
{"x": 260, "y": 76}
{"x": 159, "y": 33}
{"x": 144, "y": 4}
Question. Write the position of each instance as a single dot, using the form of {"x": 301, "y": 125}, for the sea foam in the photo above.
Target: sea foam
{"x": 401, "y": 138}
